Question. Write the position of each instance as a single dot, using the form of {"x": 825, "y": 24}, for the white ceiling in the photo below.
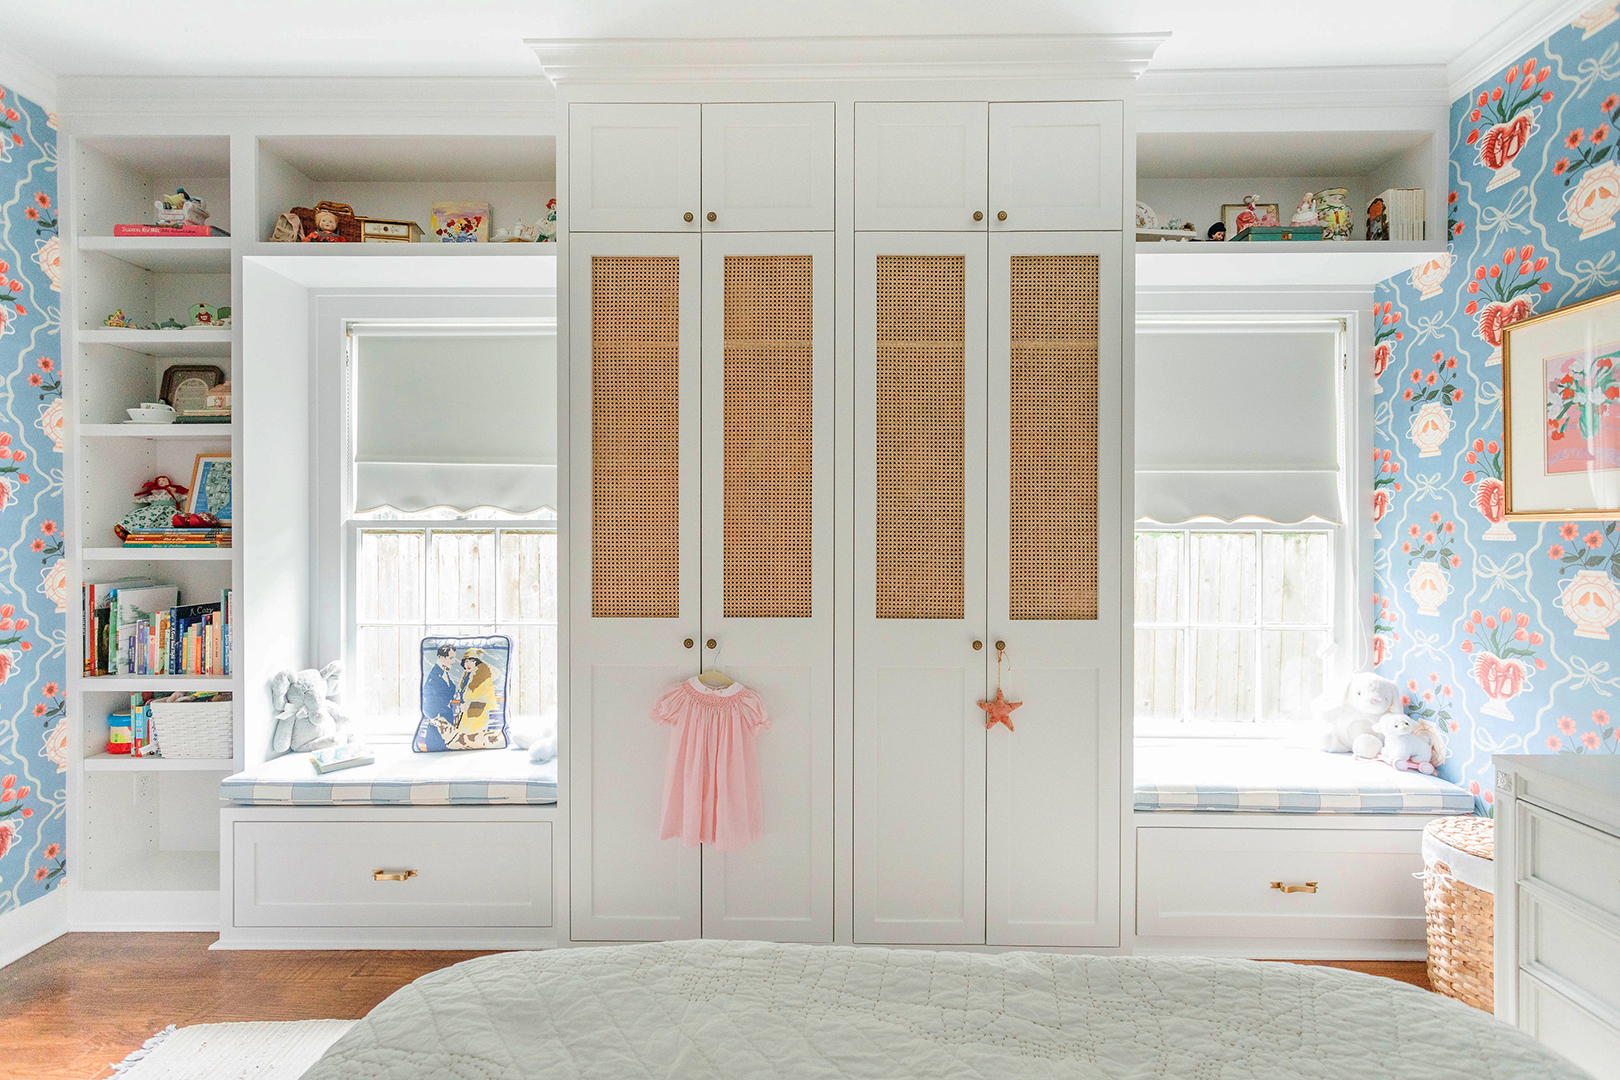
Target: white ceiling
{"x": 1164, "y": 155}
{"x": 484, "y": 37}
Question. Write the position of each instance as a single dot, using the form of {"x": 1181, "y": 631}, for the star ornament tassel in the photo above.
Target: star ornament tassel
{"x": 999, "y": 710}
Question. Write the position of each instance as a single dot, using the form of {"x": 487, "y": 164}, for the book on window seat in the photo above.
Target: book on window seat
{"x": 345, "y": 756}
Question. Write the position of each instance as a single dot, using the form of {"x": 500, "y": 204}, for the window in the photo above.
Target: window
{"x": 1233, "y": 626}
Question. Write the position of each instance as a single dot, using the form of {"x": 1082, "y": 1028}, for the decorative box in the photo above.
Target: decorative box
{"x": 380, "y": 230}
{"x": 1264, "y": 233}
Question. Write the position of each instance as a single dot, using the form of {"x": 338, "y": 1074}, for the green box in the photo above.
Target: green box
{"x": 1264, "y": 233}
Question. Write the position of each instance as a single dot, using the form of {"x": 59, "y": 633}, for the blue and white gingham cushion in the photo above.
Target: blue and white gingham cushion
{"x": 400, "y": 778}
{"x": 1266, "y": 777}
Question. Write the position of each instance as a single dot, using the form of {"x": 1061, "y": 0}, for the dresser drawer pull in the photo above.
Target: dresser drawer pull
{"x": 392, "y": 875}
{"x": 1309, "y": 886}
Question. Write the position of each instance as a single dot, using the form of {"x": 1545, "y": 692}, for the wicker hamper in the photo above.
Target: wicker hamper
{"x": 1457, "y": 854}
{"x": 193, "y": 729}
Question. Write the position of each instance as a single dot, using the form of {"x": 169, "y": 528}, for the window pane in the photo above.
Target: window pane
{"x": 1297, "y": 569}
{"x": 1158, "y": 674}
{"x": 388, "y": 670}
{"x": 388, "y": 577}
{"x": 1158, "y": 577}
{"x": 1223, "y": 676}
{"x": 528, "y": 576}
{"x": 1290, "y": 672}
{"x": 461, "y": 578}
{"x": 1224, "y": 567}
{"x": 533, "y": 686}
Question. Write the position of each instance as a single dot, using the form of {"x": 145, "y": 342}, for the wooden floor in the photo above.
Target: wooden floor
{"x": 84, "y": 1001}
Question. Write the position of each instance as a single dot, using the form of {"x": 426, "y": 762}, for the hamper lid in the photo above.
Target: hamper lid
{"x": 1474, "y": 836}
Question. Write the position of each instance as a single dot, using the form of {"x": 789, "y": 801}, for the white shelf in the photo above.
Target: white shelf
{"x": 156, "y": 431}
{"x": 162, "y": 871}
{"x": 155, "y": 683}
{"x": 105, "y": 762}
{"x": 158, "y": 554}
{"x": 379, "y": 250}
{"x": 161, "y": 342}
{"x": 1287, "y": 262}
{"x": 166, "y": 254}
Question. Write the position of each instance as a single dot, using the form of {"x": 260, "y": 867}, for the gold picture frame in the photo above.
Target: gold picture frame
{"x": 1561, "y": 445}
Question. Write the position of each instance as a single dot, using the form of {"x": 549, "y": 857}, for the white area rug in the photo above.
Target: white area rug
{"x": 262, "y": 1051}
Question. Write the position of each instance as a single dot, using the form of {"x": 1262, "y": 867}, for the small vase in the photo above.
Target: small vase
{"x": 1501, "y": 680}
{"x": 1429, "y": 585}
{"x": 1430, "y": 426}
{"x": 1502, "y": 143}
{"x": 1489, "y": 497}
{"x": 1496, "y": 315}
{"x": 1430, "y": 278}
{"x": 1594, "y": 200}
{"x": 1592, "y": 603}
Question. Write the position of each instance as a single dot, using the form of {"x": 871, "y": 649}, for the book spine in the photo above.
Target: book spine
{"x": 141, "y": 643}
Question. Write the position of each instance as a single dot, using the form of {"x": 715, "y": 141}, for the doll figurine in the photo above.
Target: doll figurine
{"x": 326, "y": 229}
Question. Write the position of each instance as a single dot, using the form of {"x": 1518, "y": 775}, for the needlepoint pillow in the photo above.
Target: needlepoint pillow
{"x": 463, "y": 694}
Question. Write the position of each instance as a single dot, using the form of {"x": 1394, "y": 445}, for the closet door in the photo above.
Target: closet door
{"x": 919, "y": 588}
{"x": 768, "y": 167}
{"x": 1056, "y": 531}
{"x": 920, "y": 165}
{"x": 634, "y": 168}
{"x": 1056, "y": 165}
{"x": 768, "y": 565}
{"x": 634, "y": 515}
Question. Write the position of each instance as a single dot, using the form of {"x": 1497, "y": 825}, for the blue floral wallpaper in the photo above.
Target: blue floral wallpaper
{"x": 1499, "y": 632}
{"x": 33, "y": 573}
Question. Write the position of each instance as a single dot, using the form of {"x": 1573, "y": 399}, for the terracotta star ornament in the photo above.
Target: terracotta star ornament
{"x": 999, "y": 710}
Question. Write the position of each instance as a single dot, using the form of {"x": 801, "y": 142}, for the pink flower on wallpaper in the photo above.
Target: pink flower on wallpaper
{"x": 8, "y": 836}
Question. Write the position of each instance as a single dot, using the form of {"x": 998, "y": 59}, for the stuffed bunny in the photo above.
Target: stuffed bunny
{"x": 1349, "y": 719}
{"x": 306, "y": 718}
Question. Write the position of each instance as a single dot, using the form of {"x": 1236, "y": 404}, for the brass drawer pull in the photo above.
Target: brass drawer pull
{"x": 1309, "y": 886}
{"x": 392, "y": 875}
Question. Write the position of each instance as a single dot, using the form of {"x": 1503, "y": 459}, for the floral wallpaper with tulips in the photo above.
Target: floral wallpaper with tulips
{"x": 33, "y": 572}
{"x": 1503, "y": 633}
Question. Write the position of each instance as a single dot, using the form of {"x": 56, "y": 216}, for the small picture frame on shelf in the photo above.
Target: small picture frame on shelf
{"x": 185, "y": 386}
{"x": 461, "y": 222}
{"x": 211, "y": 486}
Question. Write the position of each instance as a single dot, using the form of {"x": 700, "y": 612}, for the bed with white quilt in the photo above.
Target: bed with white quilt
{"x": 702, "y": 1009}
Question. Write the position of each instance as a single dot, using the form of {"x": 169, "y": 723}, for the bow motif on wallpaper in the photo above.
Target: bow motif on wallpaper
{"x": 1591, "y": 675}
{"x": 1502, "y": 575}
{"x": 1427, "y": 485}
{"x": 1594, "y": 68}
{"x": 1425, "y": 325}
{"x": 1425, "y": 642}
{"x": 1589, "y": 273}
{"x": 1489, "y": 393}
{"x": 1494, "y": 219}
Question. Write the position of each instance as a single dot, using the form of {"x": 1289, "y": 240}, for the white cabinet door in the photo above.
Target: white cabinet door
{"x": 1056, "y": 165}
{"x": 634, "y": 168}
{"x": 1055, "y": 568}
{"x": 768, "y": 565}
{"x": 919, "y": 588}
{"x": 634, "y": 596}
{"x": 920, "y": 166}
{"x": 768, "y": 167}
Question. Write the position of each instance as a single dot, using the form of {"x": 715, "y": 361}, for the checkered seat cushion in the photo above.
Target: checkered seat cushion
{"x": 400, "y": 778}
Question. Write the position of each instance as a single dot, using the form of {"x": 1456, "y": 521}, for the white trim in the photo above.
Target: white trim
{"x": 39, "y": 922}
{"x": 1249, "y": 93}
{"x": 1534, "y": 22}
{"x": 1019, "y": 56}
{"x": 26, "y": 77}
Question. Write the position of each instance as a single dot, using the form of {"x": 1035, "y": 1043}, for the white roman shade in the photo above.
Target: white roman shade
{"x": 1238, "y": 420}
{"x": 463, "y": 418}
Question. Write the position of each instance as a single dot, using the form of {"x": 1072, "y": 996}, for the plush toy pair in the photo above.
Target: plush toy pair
{"x": 1367, "y": 720}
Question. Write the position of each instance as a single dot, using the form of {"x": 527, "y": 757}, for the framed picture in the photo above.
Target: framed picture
{"x": 1561, "y": 413}
{"x": 189, "y": 383}
{"x": 1237, "y": 216}
{"x": 461, "y": 222}
{"x": 211, "y": 486}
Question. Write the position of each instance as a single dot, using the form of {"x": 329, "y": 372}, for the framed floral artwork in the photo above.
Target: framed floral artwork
{"x": 211, "y": 486}
{"x": 1561, "y": 413}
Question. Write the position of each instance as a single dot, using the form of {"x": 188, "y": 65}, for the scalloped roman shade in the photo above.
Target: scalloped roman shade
{"x": 1238, "y": 420}
{"x": 463, "y": 420}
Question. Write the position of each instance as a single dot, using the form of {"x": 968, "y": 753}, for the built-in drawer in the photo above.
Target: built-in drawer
{"x": 1567, "y": 1028}
{"x": 428, "y": 873}
{"x": 1569, "y": 952}
{"x": 1203, "y": 882}
{"x": 1569, "y": 856}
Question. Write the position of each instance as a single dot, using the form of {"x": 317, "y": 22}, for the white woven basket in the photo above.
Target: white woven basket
{"x": 193, "y": 729}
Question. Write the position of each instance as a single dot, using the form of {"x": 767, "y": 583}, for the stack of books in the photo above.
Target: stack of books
{"x": 148, "y": 538}
{"x": 188, "y": 228}
{"x": 135, "y": 627}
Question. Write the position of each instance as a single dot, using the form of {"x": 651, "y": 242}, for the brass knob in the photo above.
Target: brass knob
{"x": 977, "y": 645}
{"x": 711, "y": 215}
{"x": 978, "y": 215}
{"x": 687, "y": 215}
{"x": 689, "y": 643}
{"x": 392, "y": 875}
{"x": 1001, "y": 215}
{"x": 712, "y": 643}
{"x": 1001, "y": 646}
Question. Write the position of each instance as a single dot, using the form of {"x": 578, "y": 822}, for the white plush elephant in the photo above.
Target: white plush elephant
{"x": 306, "y": 716}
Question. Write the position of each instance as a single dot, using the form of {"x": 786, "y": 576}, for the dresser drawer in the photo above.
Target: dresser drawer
{"x": 1566, "y": 950}
{"x": 1569, "y": 856}
{"x": 1560, "y": 1024}
{"x": 1201, "y": 882}
{"x": 426, "y": 873}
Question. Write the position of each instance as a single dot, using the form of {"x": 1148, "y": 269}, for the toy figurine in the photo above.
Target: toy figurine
{"x": 156, "y": 504}
{"x": 118, "y": 320}
{"x": 326, "y": 229}
{"x": 1306, "y": 213}
{"x": 1217, "y": 231}
{"x": 180, "y": 209}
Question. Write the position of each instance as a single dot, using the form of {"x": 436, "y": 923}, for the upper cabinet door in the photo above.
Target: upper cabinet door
{"x": 920, "y": 166}
{"x": 768, "y": 167}
{"x": 1056, "y": 165}
{"x": 634, "y": 168}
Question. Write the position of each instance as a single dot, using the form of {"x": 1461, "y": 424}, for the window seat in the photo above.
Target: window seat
{"x": 400, "y": 777}
{"x": 1261, "y": 777}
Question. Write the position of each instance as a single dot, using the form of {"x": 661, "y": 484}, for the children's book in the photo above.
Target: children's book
{"x": 132, "y": 606}
{"x": 345, "y": 756}
{"x": 98, "y": 597}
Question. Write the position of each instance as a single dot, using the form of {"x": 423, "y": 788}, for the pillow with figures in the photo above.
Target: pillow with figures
{"x": 463, "y": 694}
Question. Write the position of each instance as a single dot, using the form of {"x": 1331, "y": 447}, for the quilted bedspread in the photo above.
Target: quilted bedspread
{"x": 700, "y": 1009}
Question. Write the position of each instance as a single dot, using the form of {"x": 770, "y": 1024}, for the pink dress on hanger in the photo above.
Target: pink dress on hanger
{"x": 711, "y": 775}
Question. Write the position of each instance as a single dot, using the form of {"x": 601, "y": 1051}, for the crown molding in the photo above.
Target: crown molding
{"x": 1184, "y": 90}
{"x": 29, "y": 78}
{"x": 1534, "y": 22}
{"x": 1021, "y": 56}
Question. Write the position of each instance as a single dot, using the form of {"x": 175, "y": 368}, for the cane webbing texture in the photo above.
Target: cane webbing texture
{"x": 635, "y": 437}
{"x": 769, "y": 436}
{"x": 1052, "y": 489}
{"x": 921, "y": 337}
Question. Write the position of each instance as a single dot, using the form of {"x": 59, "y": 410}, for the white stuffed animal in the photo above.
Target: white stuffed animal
{"x": 1411, "y": 744}
{"x": 306, "y": 718}
{"x": 1349, "y": 719}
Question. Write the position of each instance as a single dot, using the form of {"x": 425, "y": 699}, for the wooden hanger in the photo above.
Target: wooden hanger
{"x": 713, "y": 677}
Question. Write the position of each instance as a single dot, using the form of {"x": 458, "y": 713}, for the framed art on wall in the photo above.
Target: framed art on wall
{"x": 1561, "y": 413}
{"x": 211, "y": 486}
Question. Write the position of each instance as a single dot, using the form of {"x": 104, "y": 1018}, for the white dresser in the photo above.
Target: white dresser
{"x": 1558, "y": 904}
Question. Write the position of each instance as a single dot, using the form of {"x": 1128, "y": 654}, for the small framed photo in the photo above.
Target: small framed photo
{"x": 211, "y": 486}
{"x": 1239, "y": 216}
{"x": 461, "y": 222}
{"x": 185, "y": 386}
{"x": 1561, "y": 413}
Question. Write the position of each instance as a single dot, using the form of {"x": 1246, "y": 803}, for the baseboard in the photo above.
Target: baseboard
{"x": 106, "y": 912}
{"x": 25, "y": 929}
{"x": 377, "y": 937}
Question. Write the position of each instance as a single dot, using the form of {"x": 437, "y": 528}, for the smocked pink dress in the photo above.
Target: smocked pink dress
{"x": 711, "y": 774}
